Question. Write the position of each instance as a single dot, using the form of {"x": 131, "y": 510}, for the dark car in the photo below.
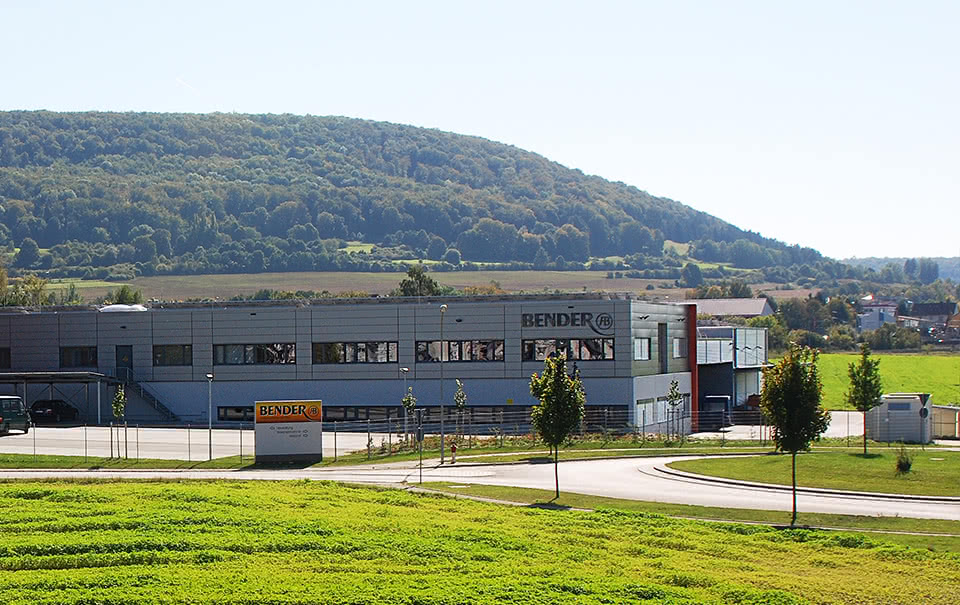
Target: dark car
{"x": 52, "y": 410}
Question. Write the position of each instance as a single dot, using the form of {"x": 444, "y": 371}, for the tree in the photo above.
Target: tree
{"x": 418, "y": 283}
{"x": 29, "y": 253}
{"x": 929, "y": 271}
{"x": 561, "y": 408}
{"x": 460, "y": 401}
{"x": 409, "y": 403}
{"x": 125, "y": 295}
{"x": 866, "y": 386}
{"x": 119, "y": 403}
{"x": 791, "y": 400}
{"x": 910, "y": 268}
{"x": 691, "y": 275}
{"x": 674, "y": 399}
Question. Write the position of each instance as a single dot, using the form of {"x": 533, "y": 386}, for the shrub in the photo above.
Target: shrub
{"x": 904, "y": 461}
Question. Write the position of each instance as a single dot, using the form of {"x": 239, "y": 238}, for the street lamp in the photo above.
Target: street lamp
{"x": 210, "y": 416}
{"x": 443, "y": 310}
{"x": 406, "y": 433}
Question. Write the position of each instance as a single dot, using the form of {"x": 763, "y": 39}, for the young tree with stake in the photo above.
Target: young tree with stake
{"x": 561, "y": 408}
{"x": 791, "y": 400}
{"x": 866, "y": 387}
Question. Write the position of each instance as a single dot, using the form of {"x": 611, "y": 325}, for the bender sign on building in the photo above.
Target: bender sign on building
{"x": 288, "y": 431}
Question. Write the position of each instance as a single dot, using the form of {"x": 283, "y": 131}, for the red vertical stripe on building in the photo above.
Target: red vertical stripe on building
{"x": 692, "y": 362}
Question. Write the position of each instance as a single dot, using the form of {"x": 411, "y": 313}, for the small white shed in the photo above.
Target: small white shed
{"x": 901, "y": 417}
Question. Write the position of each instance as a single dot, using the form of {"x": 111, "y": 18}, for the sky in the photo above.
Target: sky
{"x": 829, "y": 124}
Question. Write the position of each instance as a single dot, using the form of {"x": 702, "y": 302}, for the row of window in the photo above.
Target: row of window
{"x": 582, "y": 349}
{"x": 460, "y": 350}
{"x": 641, "y": 348}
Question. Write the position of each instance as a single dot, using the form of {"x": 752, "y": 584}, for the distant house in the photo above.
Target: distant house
{"x": 937, "y": 313}
{"x": 876, "y": 313}
{"x": 733, "y": 307}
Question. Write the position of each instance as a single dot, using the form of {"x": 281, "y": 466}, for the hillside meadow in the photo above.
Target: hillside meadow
{"x": 938, "y": 375}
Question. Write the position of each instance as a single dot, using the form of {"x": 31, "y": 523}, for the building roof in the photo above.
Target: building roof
{"x": 927, "y": 309}
{"x": 743, "y": 307}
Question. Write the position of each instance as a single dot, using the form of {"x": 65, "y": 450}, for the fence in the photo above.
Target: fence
{"x": 377, "y": 438}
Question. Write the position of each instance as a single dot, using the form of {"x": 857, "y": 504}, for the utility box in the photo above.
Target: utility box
{"x": 905, "y": 417}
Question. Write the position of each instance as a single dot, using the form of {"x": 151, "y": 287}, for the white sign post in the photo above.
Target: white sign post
{"x": 288, "y": 431}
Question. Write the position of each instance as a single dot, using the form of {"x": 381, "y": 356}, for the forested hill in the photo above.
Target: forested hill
{"x": 114, "y": 194}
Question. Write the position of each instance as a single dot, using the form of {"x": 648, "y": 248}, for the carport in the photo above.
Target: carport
{"x": 69, "y": 386}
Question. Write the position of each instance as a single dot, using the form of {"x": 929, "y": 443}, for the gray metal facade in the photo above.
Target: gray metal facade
{"x": 36, "y": 339}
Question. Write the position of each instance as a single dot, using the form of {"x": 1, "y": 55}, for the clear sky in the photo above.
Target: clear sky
{"x": 831, "y": 124}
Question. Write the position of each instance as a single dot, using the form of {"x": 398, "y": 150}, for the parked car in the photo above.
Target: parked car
{"x": 13, "y": 415}
{"x": 52, "y": 410}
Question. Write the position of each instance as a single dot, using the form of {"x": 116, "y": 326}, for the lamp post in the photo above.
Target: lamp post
{"x": 406, "y": 433}
{"x": 443, "y": 310}
{"x": 210, "y": 416}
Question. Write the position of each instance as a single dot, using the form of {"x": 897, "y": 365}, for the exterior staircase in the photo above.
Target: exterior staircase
{"x": 131, "y": 384}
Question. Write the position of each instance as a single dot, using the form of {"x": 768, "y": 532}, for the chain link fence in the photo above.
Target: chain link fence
{"x": 470, "y": 428}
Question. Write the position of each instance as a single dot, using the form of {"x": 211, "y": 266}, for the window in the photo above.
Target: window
{"x": 580, "y": 349}
{"x": 269, "y": 354}
{"x": 679, "y": 347}
{"x": 460, "y": 350}
{"x": 354, "y": 352}
{"x": 172, "y": 355}
{"x": 641, "y": 349}
{"x": 78, "y": 357}
{"x": 5, "y": 358}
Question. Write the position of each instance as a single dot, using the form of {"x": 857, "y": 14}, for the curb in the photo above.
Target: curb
{"x": 808, "y": 490}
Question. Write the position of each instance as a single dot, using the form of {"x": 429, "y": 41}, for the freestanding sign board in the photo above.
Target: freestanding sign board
{"x": 288, "y": 431}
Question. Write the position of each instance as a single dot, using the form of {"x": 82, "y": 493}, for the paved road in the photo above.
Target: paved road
{"x": 629, "y": 478}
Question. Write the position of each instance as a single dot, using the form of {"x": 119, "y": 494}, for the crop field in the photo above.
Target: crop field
{"x": 303, "y": 542}
{"x": 225, "y": 286}
{"x": 901, "y": 373}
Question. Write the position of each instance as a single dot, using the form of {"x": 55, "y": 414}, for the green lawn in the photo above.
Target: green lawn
{"x": 934, "y": 472}
{"x": 303, "y": 542}
{"x": 901, "y": 373}
{"x": 29, "y": 461}
{"x": 922, "y": 531}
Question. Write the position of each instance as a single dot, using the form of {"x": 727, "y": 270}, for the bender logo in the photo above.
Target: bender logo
{"x": 601, "y": 324}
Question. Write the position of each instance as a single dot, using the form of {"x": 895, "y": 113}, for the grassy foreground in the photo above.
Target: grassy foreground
{"x": 931, "y": 534}
{"x": 933, "y": 473}
{"x": 233, "y": 542}
{"x": 901, "y": 373}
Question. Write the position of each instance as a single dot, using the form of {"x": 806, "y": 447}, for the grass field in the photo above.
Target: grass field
{"x": 934, "y": 472}
{"x": 901, "y": 373}
{"x": 305, "y": 542}
{"x": 931, "y": 534}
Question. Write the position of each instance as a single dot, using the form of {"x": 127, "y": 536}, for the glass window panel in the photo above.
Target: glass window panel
{"x": 453, "y": 351}
{"x": 608, "y": 348}
{"x": 641, "y": 350}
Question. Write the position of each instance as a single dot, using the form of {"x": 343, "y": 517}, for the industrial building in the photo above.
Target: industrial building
{"x": 356, "y": 355}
